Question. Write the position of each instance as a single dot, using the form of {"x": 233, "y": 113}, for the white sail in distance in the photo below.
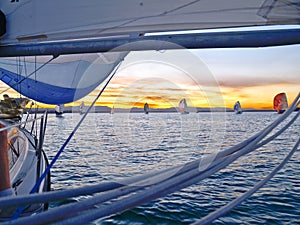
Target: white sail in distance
{"x": 237, "y": 108}
{"x": 183, "y": 108}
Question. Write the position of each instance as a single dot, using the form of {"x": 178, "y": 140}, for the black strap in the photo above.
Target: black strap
{"x": 2, "y": 23}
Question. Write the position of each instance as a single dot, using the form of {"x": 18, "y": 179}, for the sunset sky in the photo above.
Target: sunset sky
{"x": 206, "y": 78}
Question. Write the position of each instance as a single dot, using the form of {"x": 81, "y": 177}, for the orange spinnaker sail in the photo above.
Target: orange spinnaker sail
{"x": 280, "y": 102}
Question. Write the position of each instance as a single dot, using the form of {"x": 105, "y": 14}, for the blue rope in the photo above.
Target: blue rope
{"x": 191, "y": 176}
{"x": 47, "y": 170}
{"x": 228, "y": 207}
{"x": 34, "y": 72}
{"x": 185, "y": 179}
{"x": 88, "y": 190}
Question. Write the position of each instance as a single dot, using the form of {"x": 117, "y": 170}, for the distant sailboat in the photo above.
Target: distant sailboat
{"x": 59, "y": 110}
{"x": 81, "y": 108}
{"x": 146, "y": 108}
{"x": 112, "y": 111}
{"x": 183, "y": 107}
{"x": 280, "y": 103}
{"x": 237, "y": 108}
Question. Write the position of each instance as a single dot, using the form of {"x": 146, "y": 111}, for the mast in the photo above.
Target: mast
{"x": 81, "y": 108}
{"x": 112, "y": 111}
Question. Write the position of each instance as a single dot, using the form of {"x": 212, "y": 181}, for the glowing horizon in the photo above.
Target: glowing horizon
{"x": 263, "y": 102}
{"x": 206, "y": 78}
{"x": 250, "y": 98}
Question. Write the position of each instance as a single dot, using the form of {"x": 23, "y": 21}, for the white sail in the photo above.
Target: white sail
{"x": 237, "y": 108}
{"x": 112, "y": 111}
{"x": 183, "y": 108}
{"x": 54, "y": 25}
{"x": 59, "y": 109}
{"x": 82, "y": 108}
{"x": 50, "y": 20}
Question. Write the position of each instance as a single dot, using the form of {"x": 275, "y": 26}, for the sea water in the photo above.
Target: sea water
{"x": 111, "y": 146}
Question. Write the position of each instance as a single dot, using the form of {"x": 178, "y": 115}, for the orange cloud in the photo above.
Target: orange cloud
{"x": 209, "y": 78}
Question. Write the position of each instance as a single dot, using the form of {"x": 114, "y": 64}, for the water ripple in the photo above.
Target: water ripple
{"x": 112, "y": 146}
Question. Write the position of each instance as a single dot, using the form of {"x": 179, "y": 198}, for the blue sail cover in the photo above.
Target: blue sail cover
{"x": 63, "y": 80}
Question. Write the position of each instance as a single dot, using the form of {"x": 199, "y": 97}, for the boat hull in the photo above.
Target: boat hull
{"x": 280, "y": 111}
{"x": 26, "y": 164}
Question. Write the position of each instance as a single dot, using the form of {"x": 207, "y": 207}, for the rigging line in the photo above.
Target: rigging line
{"x": 25, "y": 72}
{"x": 47, "y": 170}
{"x": 35, "y": 72}
{"x": 271, "y": 126}
{"x": 25, "y": 67}
{"x": 143, "y": 196}
{"x": 62, "y": 194}
{"x": 62, "y": 211}
{"x": 20, "y": 72}
{"x": 136, "y": 200}
{"x": 59, "y": 195}
{"x": 100, "y": 187}
{"x": 280, "y": 131}
{"x": 35, "y": 68}
{"x": 283, "y": 118}
{"x": 228, "y": 207}
{"x": 18, "y": 69}
{"x": 20, "y": 81}
{"x": 158, "y": 190}
{"x": 38, "y": 217}
{"x": 17, "y": 6}
{"x": 182, "y": 181}
{"x": 174, "y": 10}
{"x": 145, "y": 17}
{"x": 18, "y": 124}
